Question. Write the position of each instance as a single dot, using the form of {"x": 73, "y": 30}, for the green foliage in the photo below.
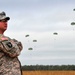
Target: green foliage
{"x": 48, "y": 67}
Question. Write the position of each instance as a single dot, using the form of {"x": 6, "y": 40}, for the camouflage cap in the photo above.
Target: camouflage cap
{"x": 3, "y": 16}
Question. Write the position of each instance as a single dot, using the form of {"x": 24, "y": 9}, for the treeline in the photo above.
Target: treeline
{"x": 47, "y": 67}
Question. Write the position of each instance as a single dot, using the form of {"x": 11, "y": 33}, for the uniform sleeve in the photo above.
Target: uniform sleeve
{"x": 11, "y": 47}
{"x": 19, "y": 44}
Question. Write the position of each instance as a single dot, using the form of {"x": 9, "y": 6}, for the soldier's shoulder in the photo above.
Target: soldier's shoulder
{"x": 2, "y": 38}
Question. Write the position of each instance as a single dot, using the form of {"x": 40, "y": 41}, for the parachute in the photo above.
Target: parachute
{"x": 73, "y": 23}
{"x": 27, "y": 35}
{"x": 55, "y": 33}
{"x": 34, "y": 40}
{"x": 74, "y": 9}
{"x": 30, "y": 48}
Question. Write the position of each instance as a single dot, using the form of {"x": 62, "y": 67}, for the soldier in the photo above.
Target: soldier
{"x": 9, "y": 50}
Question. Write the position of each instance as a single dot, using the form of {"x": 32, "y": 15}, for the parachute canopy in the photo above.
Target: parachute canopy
{"x": 27, "y": 35}
{"x": 30, "y": 48}
{"x": 74, "y": 9}
{"x": 34, "y": 40}
{"x": 55, "y": 33}
{"x": 73, "y": 23}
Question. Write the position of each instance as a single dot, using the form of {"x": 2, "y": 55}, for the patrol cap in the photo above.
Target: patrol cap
{"x": 3, "y": 16}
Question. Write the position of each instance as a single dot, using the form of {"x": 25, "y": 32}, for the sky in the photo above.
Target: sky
{"x": 40, "y": 19}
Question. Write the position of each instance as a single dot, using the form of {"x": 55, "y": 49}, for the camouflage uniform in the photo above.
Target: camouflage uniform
{"x": 9, "y": 52}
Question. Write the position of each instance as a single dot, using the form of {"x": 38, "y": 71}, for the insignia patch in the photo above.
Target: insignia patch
{"x": 9, "y": 44}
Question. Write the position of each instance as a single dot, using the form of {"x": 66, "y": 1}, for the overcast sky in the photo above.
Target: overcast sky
{"x": 40, "y": 19}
